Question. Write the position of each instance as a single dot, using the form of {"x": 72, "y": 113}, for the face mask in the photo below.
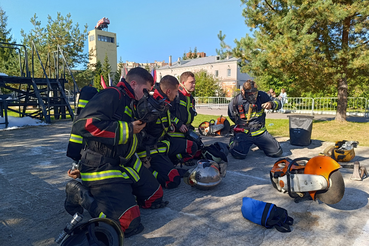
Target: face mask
{"x": 251, "y": 97}
{"x": 147, "y": 109}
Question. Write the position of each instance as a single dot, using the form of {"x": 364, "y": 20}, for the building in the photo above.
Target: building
{"x": 100, "y": 44}
{"x": 226, "y": 70}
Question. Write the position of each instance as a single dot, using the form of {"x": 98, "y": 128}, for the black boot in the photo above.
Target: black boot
{"x": 77, "y": 198}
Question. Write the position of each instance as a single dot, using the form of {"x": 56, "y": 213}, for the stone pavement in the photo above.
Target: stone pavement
{"x": 33, "y": 175}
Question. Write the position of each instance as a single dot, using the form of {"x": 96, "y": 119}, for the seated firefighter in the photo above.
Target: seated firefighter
{"x": 246, "y": 110}
{"x": 114, "y": 181}
{"x": 155, "y": 148}
{"x": 183, "y": 107}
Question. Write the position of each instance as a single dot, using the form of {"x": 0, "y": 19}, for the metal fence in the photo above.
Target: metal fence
{"x": 356, "y": 106}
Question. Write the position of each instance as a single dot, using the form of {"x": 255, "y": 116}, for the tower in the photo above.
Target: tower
{"x": 101, "y": 43}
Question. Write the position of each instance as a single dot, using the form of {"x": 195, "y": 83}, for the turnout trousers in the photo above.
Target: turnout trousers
{"x": 241, "y": 143}
{"x": 119, "y": 190}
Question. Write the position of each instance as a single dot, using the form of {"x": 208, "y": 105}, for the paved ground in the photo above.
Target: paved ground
{"x": 33, "y": 176}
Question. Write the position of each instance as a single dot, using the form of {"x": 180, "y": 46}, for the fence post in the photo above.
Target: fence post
{"x": 312, "y": 106}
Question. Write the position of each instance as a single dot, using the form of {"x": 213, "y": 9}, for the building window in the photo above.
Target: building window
{"x": 216, "y": 73}
{"x": 105, "y": 39}
{"x": 92, "y": 38}
{"x": 229, "y": 72}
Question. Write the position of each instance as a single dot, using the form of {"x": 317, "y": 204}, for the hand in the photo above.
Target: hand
{"x": 138, "y": 126}
{"x": 183, "y": 128}
{"x": 74, "y": 174}
{"x": 267, "y": 105}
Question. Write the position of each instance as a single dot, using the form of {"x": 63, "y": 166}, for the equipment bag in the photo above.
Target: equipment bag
{"x": 266, "y": 214}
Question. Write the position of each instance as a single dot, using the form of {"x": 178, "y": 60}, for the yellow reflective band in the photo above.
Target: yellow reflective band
{"x": 124, "y": 132}
{"x": 169, "y": 122}
{"x": 133, "y": 147}
{"x": 179, "y": 156}
{"x": 164, "y": 119}
{"x": 128, "y": 111}
{"x": 230, "y": 143}
{"x": 82, "y": 103}
{"x": 166, "y": 142}
{"x": 176, "y": 134}
{"x": 183, "y": 103}
{"x": 176, "y": 120}
{"x": 103, "y": 175}
{"x": 138, "y": 164}
{"x": 277, "y": 104}
{"x": 76, "y": 139}
{"x": 258, "y": 132}
{"x": 188, "y": 111}
{"x": 133, "y": 173}
{"x": 155, "y": 173}
{"x": 102, "y": 215}
{"x": 245, "y": 130}
{"x": 154, "y": 151}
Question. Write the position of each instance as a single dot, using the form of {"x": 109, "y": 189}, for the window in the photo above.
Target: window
{"x": 228, "y": 72}
{"x": 216, "y": 73}
{"x": 105, "y": 39}
{"x": 92, "y": 38}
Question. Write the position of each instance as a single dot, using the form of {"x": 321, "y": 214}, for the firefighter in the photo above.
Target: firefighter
{"x": 184, "y": 109}
{"x": 114, "y": 181}
{"x": 155, "y": 147}
{"x": 246, "y": 110}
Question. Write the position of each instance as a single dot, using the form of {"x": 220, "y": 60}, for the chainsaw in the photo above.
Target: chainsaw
{"x": 315, "y": 178}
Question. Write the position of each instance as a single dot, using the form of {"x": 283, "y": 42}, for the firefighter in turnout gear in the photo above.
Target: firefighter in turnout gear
{"x": 184, "y": 109}
{"x": 155, "y": 146}
{"x": 114, "y": 180}
{"x": 246, "y": 110}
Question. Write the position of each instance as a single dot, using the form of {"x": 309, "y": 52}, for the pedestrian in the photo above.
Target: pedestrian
{"x": 114, "y": 181}
{"x": 246, "y": 110}
{"x": 283, "y": 98}
{"x": 272, "y": 95}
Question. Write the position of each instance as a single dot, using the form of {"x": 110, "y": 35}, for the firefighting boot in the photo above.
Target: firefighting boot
{"x": 77, "y": 198}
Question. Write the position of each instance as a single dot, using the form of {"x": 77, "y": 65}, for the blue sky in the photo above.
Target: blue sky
{"x": 146, "y": 30}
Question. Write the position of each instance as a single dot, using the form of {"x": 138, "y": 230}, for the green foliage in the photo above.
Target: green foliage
{"x": 207, "y": 85}
{"x": 8, "y": 57}
{"x": 311, "y": 46}
{"x": 224, "y": 48}
{"x": 60, "y": 31}
{"x": 119, "y": 72}
{"x": 184, "y": 57}
{"x": 194, "y": 54}
{"x": 106, "y": 70}
{"x": 97, "y": 77}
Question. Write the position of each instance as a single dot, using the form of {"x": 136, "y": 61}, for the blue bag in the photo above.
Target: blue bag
{"x": 266, "y": 214}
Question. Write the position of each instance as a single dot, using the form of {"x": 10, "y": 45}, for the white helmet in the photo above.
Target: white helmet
{"x": 204, "y": 176}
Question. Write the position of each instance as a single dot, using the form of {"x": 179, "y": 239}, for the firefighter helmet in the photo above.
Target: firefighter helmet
{"x": 204, "y": 176}
{"x": 97, "y": 231}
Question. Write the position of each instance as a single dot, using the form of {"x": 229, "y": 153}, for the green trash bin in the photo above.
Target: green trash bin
{"x": 301, "y": 127}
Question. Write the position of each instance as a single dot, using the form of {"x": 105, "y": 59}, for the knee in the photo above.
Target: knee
{"x": 174, "y": 179}
{"x": 275, "y": 154}
{"x": 237, "y": 154}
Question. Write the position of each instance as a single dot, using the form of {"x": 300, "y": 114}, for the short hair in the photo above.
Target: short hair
{"x": 168, "y": 82}
{"x": 185, "y": 75}
{"x": 248, "y": 85}
{"x": 140, "y": 75}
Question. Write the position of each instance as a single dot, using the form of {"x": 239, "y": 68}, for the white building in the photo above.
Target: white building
{"x": 227, "y": 70}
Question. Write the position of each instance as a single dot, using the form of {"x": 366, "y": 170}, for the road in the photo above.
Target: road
{"x": 33, "y": 176}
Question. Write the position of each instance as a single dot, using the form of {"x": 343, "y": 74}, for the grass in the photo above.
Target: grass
{"x": 328, "y": 131}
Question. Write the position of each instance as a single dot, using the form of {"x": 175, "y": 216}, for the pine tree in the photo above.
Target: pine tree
{"x": 320, "y": 44}
{"x": 225, "y": 49}
{"x": 8, "y": 61}
{"x": 97, "y": 75}
{"x": 184, "y": 57}
{"x": 106, "y": 70}
{"x": 194, "y": 54}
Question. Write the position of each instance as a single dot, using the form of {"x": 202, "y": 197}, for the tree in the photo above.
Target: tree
{"x": 97, "y": 75}
{"x": 320, "y": 44}
{"x": 184, "y": 57}
{"x": 119, "y": 71}
{"x": 207, "y": 85}
{"x": 60, "y": 31}
{"x": 225, "y": 50}
{"x": 194, "y": 54}
{"x": 106, "y": 70}
{"x": 8, "y": 56}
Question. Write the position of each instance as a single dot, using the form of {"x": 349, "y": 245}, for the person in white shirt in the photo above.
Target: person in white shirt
{"x": 283, "y": 98}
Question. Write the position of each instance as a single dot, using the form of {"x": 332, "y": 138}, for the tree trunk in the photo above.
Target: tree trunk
{"x": 342, "y": 100}
{"x": 342, "y": 82}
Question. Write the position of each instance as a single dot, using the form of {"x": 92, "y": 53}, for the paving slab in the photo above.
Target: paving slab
{"x": 33, "y": 176}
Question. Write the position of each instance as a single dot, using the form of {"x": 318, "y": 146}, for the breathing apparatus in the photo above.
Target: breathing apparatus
{"x": 148, "y": 109}
{"x": 250, "y": 92}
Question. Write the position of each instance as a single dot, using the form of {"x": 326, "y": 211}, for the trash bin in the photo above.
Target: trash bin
{"x": 300, "y": 129}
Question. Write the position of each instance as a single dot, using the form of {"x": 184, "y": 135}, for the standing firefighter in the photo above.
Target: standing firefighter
{"x": 184, "y": 109}
{"x": 246, "y": 110}
{"x": 114, "y": 181}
